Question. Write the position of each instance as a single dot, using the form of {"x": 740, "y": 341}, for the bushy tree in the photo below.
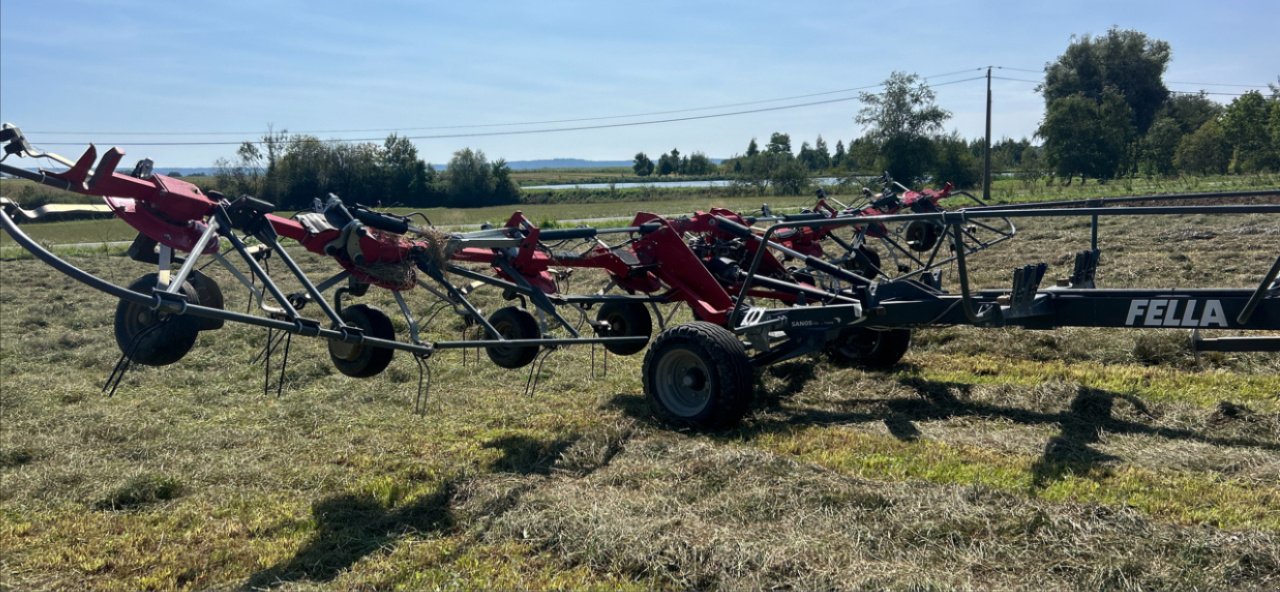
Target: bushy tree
{"x": 1085, "y": 137}
{"x": 668, "y": 164}
{"x": 505, "y": 189}
{"x": 955, "y": 162}
{"x": 1126, "y": 62}
{"x": 808, "y": 157}
{"x": 901, "y": 121}
{"x": 1245, "y": 124}
{"x": 752, "y": 148}
{"x": 642, "y": 166}
{"x": 1204, "y": 151}
{"x": 699, "y": 164}
{"x": 1190, "y": 111}
{"x": 1007, "y": 154}
{"x": 405, "y": 175}
{"x": 822, "y": 156}
{"x": 862, "y": 156}
{"x": 470, "y": 178}
{"x": 779, "y": 143}
{"x": 1158, "y": 147}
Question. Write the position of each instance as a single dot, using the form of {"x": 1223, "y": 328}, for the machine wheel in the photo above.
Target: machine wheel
{"x": 923, "y": 235}
{"x": 514, "y": 322}
{"x": 626, "y": 319}
{"x": 698, "y": 375}
{"x": 870, "y": 348}
{"x": 864, "y": 262}
{"x": 151, "y": 337}
{"x": 210, "y": 295}
{"x": 359, "y": 360}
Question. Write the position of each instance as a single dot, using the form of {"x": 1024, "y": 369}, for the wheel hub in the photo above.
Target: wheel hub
{"x": 694, "y": 379}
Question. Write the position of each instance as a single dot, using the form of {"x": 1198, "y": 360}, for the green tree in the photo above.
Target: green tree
{"x": 699, "y": 164}
{"x": 505, "y": 189}
{"x": 779, "y": 143}
{"x": 1159, "y": 146}
{"x": 470, "y": 179}
{"x": 752, "y": 148}
{"x": 807, "y": 157}
{"x": 787, "y": 176}
{"x": 862, "y": 156}
{"x": 837, "y": 159}
{"x": 404, "y": 173}
{"x": 1204, "y": 151}
{"x": 1007, "y": 154}
{"x": 821, "y": 155}
{"x": 642, "y": 165}
{"x": 1190, "y": 111}
{"x": 1125, "y": 61}
{"x": 1273, "y": 124}
{"x": 900, "y": 121}
{"x": 1085, "y": 137}
{"x": 1245, "y": 124}
{"x": 668, "y": 164}
{"x": 955, "y": 162}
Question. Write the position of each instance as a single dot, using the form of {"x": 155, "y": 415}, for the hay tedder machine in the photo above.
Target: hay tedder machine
{"x": 847, "y": 282}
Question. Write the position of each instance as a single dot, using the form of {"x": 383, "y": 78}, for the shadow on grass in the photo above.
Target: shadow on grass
{"x": 527, "y": 456}
{"x": 1071, "y": 451}
{"x": 351, "y": 526}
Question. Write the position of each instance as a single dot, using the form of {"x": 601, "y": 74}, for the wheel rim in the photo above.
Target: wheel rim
{"x": 507, "y": 330}
{"x": 617, "y": 325}
{"x": 343, "y": 350}
{"x": 684, "y": 382}
{"x": 859, "y": 343}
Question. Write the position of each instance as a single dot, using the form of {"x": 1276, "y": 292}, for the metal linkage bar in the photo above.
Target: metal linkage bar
{"x": 1260, "y": 293}
{"x": 210, "y": 233}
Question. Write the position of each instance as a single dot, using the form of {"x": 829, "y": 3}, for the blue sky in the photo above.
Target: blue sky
{"x": 116, "y": 66}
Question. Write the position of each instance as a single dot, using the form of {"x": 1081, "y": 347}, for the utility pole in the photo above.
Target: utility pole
{"x": 986, "y": 154}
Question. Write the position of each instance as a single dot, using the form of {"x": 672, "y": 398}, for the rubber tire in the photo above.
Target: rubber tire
{"x": 514, "y": 322}
{"x": 363, "y": 361}
{"x": 161, "y": 346}
{"x": 713, "y": 354}
{"x": 869, "y": 348}
{"x": 626, "y": 319}
{"x": 210, "y": 295}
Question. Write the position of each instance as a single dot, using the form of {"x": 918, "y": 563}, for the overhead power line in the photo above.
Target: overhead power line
{"x": 552, "y": 130}
{"x": 493, "y": 125}
{"x": 482, "y": 125}
{"x": 1259, "y": 86}
{"x": 505, "y": 132}
{"x": 1018, "y": 69}
{"x": 1016, "y": 79}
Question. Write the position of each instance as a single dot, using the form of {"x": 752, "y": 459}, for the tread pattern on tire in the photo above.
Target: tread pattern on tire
{"x": 636, "y": 321}
{"x": 727, "y": 357}
{"x": 371, "y": 361}
{"x": 525, "y": 327}
{"x": 159, "y": 346}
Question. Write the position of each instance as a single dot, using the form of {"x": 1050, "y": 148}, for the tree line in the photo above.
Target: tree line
{"x": 292, "y": 170}
{"x": 1108, "y": 114}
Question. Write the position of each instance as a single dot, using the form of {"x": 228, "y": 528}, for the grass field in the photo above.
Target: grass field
{"x": 989, "y": 459}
